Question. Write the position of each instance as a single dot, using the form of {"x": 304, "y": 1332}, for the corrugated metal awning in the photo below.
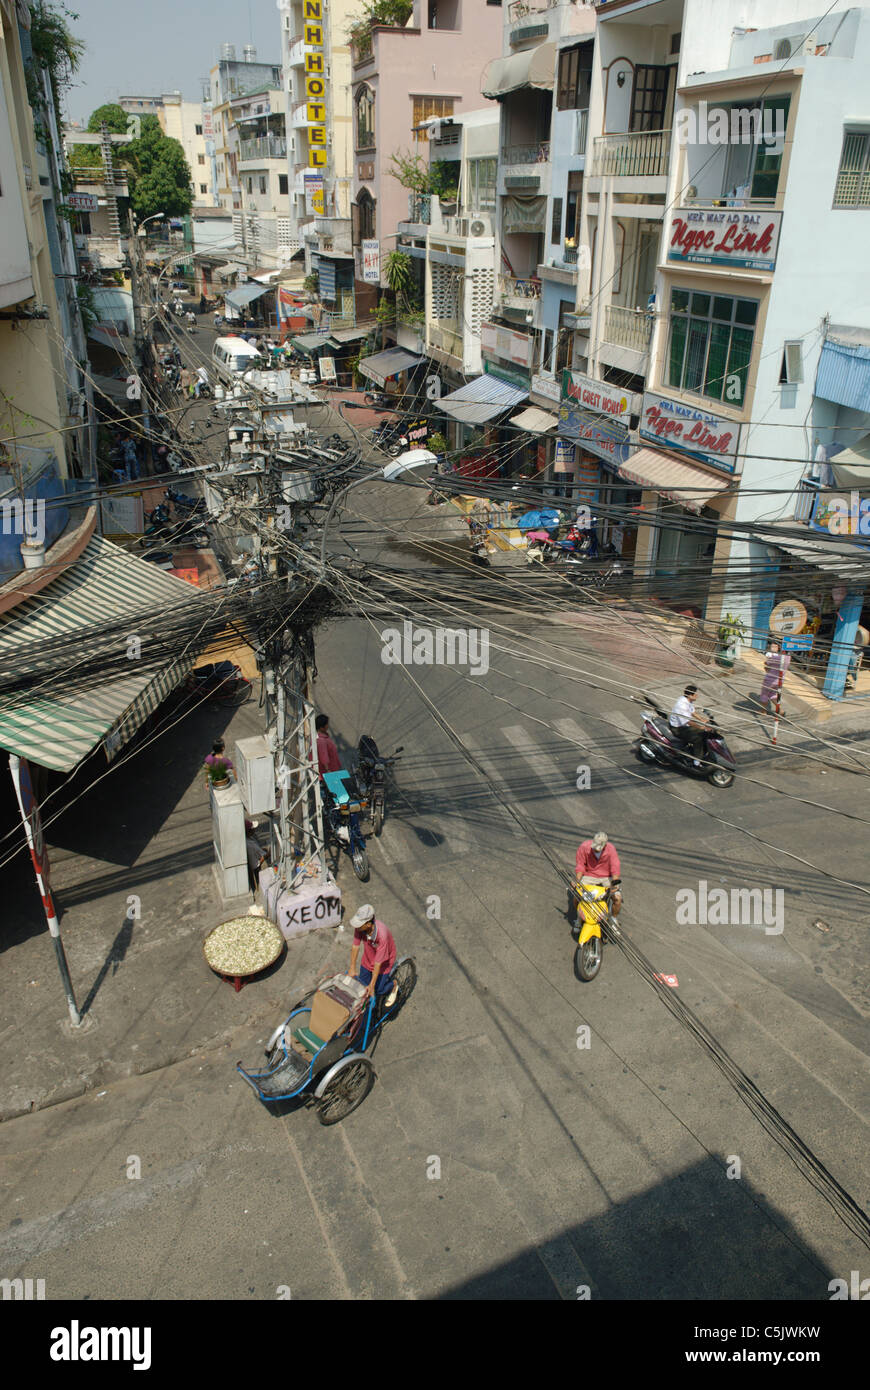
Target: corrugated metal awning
{"x": 481, "y": 400}
{"x": 824, "y": 551}
{"x": 844, "y": 375}
{"x": 534, "y": 68}
{"x": 675, "y": 478}
{"x": 384, "y": 365}
{"x": 104, "y": 585}
{"x": 311, "y": 342}
{"x": 348, "y": 335}
{"x": 243, "y": 295}
{"x": 226, "y": 272}
{"x": 534, "y": 420}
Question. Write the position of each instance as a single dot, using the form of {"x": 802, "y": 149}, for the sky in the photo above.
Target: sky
{"x": 146, "y": 47}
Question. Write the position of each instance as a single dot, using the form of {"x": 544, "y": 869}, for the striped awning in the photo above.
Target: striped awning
{"x": 675, "y": 478}
{"x": 481, "y": 400}
{"x": 104, "y": 585}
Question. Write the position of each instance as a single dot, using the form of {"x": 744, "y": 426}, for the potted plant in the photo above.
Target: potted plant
{"x": 437, "y": 444}
{"x": 731, "y": 631}
{"x": 218, "y": 772}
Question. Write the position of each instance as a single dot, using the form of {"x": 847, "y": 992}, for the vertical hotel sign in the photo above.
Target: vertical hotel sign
{"x": 315, "y": 92}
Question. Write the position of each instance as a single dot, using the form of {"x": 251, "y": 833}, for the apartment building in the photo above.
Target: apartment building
{"x": 230, "y": 80}
{"x": 263, "y": 224}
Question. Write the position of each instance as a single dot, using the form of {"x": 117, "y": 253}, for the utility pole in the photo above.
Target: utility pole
{"x": 138, "y": 333}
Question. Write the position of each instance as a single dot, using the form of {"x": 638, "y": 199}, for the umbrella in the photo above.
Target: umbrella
{"x": 547, "y": 518}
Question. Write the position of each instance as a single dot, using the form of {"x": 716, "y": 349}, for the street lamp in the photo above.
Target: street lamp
{"x": 156, "y": 216}
{"x": 405, "y": 463}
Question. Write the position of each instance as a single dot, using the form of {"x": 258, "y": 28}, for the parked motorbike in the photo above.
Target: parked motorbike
{"x": 371, "y": 777}
{"x": 658, "y": 743}
{"x": 379, "y": 399}
{"x": 160, "y": 527}
{"x": 343, "y": 806}
{"x": 188, "y": 506}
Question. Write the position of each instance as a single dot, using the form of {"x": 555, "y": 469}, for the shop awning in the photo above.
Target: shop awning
{"x": 534, "y": 68}
{"x": 675, "y": 478}
{"x": 225, "y": 272}
{"x": 311, "y": 342}
{"x": 843, "y": 375}
{"x": 851, "y": 467}
{"x": 348, "y": 335}
{"x": 243, "y": 295}
{"x": 104, "y": 585}
{"x": 481, "y": 400}
{"x": 823, "y": 551}
{"x": 112, "y": 386}
{"x": 118, "y": 342}
{"x": 384, "y": 365}
{"x": 534, "y": 420}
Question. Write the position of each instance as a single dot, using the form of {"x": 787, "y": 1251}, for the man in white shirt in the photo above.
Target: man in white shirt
{"x": 687, "y": 725}
{"x": 201, "y": 380}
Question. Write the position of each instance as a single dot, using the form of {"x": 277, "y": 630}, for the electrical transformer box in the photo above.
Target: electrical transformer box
{"x": 256, "y": 774}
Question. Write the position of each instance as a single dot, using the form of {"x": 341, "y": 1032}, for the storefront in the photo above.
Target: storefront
{"x": 390, "y": 370}
{"x": 594, "y": 434}
{"x": 475, "y": 408}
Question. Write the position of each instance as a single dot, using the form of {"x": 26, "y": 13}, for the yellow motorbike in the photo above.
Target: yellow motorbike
{"x": 593, "y": 909}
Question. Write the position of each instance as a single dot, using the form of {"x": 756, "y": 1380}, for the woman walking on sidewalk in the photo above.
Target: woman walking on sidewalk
{"x": 775, "y": 660}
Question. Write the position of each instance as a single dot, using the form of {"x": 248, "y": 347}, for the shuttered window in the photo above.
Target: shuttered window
{"x": 853, "y": 180}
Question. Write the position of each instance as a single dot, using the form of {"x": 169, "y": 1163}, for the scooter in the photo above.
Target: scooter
{"x": 188, "y": 506}
{"x": 371, "y": 777}
{"x": 593, "y": 909}
{"x": 658, "y": 743}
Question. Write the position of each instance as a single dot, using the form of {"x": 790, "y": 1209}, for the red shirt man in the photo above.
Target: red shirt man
{"x": 597, "y": 860}
{"x": 327, "y": 753}
{"x": 378, "y": 950}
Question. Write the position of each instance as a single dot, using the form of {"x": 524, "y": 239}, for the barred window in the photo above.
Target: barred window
{"x": 853, "y": 179}
{"x": 365, "y": 119}
{"x": 424, "y": 107}
{"x": 481, "y": 185}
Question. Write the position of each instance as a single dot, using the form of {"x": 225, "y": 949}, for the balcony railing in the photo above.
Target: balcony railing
{"x": 521, "y": 9}
{"x": 445, "y": 338}
{"x": 264, "y": 147}
{"x": 632, "y": 154}
{"x": 538, "y": 153}
{"x": 628, "y": 328}
{"x": 511, "y": 287}
{"x": 725, "y": 200}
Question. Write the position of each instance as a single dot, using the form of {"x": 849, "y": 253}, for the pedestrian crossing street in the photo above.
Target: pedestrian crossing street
{"x": 535, "y": 767}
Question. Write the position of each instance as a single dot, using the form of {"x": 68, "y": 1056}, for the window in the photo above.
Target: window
{"x": 575, "y": 75}
{"x": 424, "y": 107}
{"x": 198, "y": 129}
{"x": 250, "y": 185}
{"x": 83, "y": 223}
{"x": 366, "y": 204}
{"x": 571, "y": 215}
{"x": 853, "y": 178}
{"x": 756, "y": 146}
{"x": 782, "y": 50}
{"x": 556, "y": 229}
{"x": 711, "y": 344}
{"x": 649, "y": 98}
{"x": 200, "y": 159}
{"x": 791, "y": 372}
{"x": 262, "y": 183}
{"x": 481, "y": 185}
{"x": 282, "y": 183}
{"x": 675, "y": 44}
{"x": 203, "y": 188}
{"x": 365, "y": 119}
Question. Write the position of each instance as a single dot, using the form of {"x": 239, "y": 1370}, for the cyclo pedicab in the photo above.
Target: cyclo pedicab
{"x": 319, "y": 1052}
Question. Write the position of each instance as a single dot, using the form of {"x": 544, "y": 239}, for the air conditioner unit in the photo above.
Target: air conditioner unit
{"x": 480, "y": 225}
{"x": 447, "y": 224}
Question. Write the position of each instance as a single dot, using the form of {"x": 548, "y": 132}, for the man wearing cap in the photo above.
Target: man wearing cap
{"x": 687, "y": 725}
{"x": 598, "y": 863}
{"x": 378, "y": 953}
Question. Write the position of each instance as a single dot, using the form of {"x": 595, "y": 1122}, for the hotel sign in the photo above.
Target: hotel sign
{"x": 596, "y": 395}
{"x": 725, "y": 236}
{"x": 315, "y": 82}
{"x": 685, "y": 427}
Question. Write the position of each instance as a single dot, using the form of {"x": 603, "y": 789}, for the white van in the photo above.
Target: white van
{"x": 232, "y": 357}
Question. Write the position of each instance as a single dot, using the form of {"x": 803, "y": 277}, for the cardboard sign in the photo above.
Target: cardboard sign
{"x": 318, "y": 906}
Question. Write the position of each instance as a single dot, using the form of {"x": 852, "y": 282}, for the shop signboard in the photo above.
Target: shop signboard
{"x": 803, "y": 643}
{"x": 371, "y": 259}
{"x": 503, "y": 342}
{"x": 327, "y": 368}
{"x": 564, "y": 456}
{"x": 546, "y": 386}
{"x": 83, "y": 202}
{"x": 747, "y": 239}
{"x": 788, "y": 618}
{"x": 690, "y": 429}
{"x": 314, "y": 203}
{"x": 608, "y": 441}
{"x": 315, "y": 86}
{"x": 596, "y": 395}
{"x": 508, "y": 374}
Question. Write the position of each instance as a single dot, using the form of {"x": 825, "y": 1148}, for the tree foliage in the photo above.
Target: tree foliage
{"x": 114, "y": 116}
{"x": 160, "y": 174}
{"x": 56, "y": 50}
{"x": 398, "y": 273}
{"x": 414, "y": 172}
{"x": 393, "y": 14}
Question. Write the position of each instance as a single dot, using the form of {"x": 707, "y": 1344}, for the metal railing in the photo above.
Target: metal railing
{"x": 569, "y": 255}
{"x": 632, "y": 154}
{"x": 521, "y": 9}
{"x": 725, "y": 200}
{"x": 264, "y": 147}
{"x": 629, "y": 328}
{"x": 512, "y": 287}
{"x": 537, "y": 153}
{"x": 445, "y": 338}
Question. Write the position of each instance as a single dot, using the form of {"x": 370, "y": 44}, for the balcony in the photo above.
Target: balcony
{"x": 296, "y": 56}
{"x": 445, "y": 339}
{"x": 263, "y": 147}
{"x": 516, "y": 292}
{"x": 519, "y": 155}
{"x": 522, "y": 9}
{"x": 628, "y": 328}
{"x": 639, "y": 154}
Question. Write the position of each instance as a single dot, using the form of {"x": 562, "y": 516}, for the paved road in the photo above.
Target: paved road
{"x": 498, "y": 1156}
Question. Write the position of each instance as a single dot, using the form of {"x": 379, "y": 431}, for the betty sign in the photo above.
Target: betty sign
{"x": 682, "y": 426}
{"x": 595, "y": 395}
{"x": 725, "y": 236}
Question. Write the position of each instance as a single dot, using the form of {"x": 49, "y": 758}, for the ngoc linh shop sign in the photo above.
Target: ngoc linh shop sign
{"x": 315, "y": 83}
{"x": 684, "y": 427}
{"x": 725, "y": 236}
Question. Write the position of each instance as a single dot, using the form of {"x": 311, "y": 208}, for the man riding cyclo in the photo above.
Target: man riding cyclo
{"x": 598, "y": 866}
{"x": 378, "y": 955}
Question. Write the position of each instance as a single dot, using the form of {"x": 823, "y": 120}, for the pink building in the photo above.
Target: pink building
{"x": 433, "y": 67}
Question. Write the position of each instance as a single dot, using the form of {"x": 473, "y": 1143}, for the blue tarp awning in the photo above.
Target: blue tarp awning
{"x": 481, "y": 400}
{"x": 243, "y": 295}
{"x": 844, "y": 375}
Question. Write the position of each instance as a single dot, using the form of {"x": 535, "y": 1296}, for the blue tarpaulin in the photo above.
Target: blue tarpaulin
{"x": 545, "y": 520}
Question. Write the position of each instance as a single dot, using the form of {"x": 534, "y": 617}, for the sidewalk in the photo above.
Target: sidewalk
{"x": 141, "y": 837}
{"x": 649, "y": 647}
